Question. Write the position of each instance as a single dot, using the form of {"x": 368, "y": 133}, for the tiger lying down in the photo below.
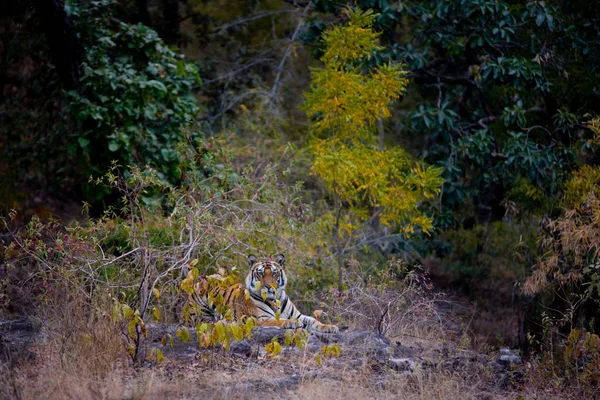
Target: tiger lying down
{"x": 263, "y": 297}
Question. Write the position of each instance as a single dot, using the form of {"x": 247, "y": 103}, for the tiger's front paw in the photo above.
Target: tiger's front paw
{"x": 326, "y": 328}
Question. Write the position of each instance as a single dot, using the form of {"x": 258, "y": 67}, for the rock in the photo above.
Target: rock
{"x": 265, "y": 334}
{"x": 358, "y": 348}
{"x": 16, "y": 336}
{"x": 402, "y": 364}
{"x": 404, "y": 351}
{"x": 242, "y": 349}
{"x": 508, "y": 358}
{"x": 272, "y": 384}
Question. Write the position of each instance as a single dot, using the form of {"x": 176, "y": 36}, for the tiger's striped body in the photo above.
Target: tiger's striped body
{"x": 263, "y": 298}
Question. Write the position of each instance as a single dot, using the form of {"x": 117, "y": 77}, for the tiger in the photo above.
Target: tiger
{"x": 263, "y": 297}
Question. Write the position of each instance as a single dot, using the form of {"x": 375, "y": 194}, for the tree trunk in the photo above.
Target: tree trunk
{"x": 65, "y": 50}
{"x": 171, "y": 33}
{"x": 143, "y": 14}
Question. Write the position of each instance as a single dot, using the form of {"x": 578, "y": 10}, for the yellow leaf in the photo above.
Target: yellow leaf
{"x": 318, "y": 358}
{"x": 142, "y": 326}
{"x": 205, "y": 340}
{"x": 201, "y": 329}
{"x": 288, "y": 337}
{"x": 156, "y": 293}
{"x": 236, "y": 332}
{"x": 160, "y": 357}
{"x": 301, "y": 338}
{"x": 131, "y": 329}
{"x": 263, "y": 294}
{"x": 183, "y": 334}
{"x": 187, "y": 285}
{"x": 185, "y": 313}
{"x": 127, "y": 311}
{"x": 248, "y": 326}
{"x": 335, "y": 349}
{"x": 156, "y": 314}
{"x": 273, "y": 348}
{"x": 220, "y": 329}
{"x": 151, "y": 355}
{"x": 116, "y": 312}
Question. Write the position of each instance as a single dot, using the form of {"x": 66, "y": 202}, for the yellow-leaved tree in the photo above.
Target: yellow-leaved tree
{"x": 367, "y": 183}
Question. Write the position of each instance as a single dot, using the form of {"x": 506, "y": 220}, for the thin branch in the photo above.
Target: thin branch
{"x": 240, "y": 21}
{"x": 277, "y": 81}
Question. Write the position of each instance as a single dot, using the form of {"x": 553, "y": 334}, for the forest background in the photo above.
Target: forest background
{"x": 460, "y": 137}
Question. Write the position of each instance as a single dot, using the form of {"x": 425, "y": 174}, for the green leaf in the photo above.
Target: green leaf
{"x": 113, "y": 146}
{"x": 83, "y": 142}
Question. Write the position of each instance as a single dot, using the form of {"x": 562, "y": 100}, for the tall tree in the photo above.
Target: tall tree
{"x": 170, "y": 31}
{"x": 65, "y": 49}
{"x": 367, "y": 183}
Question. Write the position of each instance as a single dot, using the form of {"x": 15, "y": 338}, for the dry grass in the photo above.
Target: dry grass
{"x": 226, "y": 376}
{"x": 229, "y": 377}
{"x": 83, "y": 357}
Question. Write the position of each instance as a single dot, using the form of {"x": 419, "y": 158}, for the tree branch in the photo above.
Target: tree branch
{"x": 286, "y": 55}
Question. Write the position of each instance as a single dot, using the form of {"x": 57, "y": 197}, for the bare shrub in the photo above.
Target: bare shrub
{"x": 396, "y": 302}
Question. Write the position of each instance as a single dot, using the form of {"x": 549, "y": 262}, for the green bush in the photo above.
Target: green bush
{"x": 135, "y": 99}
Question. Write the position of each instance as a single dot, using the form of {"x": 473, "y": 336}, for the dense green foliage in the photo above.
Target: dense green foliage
{"x": 498, "y": 80}
{"x": 135, "y": 99}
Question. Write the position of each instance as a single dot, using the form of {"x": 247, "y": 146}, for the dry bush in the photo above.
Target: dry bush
{"x": 397, "y": 302}
{"x": 79, "y": 351}
{"x": 572, "y": 250}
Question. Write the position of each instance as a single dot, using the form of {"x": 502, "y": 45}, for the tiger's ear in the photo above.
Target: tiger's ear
{"x": 251, "y": 260}
{"x": 281, "y": 259}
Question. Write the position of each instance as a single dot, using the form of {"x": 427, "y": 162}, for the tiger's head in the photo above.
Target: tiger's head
{"x": 268, "y": 276}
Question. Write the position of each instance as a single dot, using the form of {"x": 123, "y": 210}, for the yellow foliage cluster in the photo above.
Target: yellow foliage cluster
{"x": 346, "y": 103}
{"x": 385, "y": 179}
{"x": 586, "y": 180}
{"x": 594, "y": 126}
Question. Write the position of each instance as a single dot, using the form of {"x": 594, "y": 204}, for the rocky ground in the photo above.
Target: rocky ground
{"x": 369, "y": 365}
